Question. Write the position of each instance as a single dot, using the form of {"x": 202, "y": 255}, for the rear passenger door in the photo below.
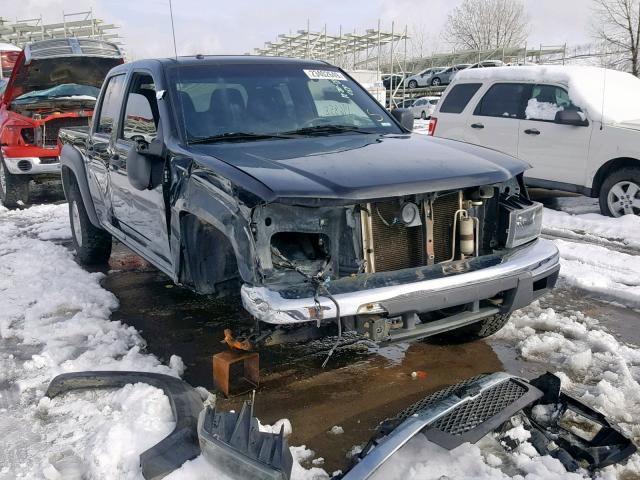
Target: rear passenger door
{"x": 139, "y": 214}
{"x": 495, "y": 121}
{"x": 556, "y": 152}
{"x": 98, "y": 146}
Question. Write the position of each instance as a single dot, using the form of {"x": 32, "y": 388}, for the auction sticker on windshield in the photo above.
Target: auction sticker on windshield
{"x": 324, "y": 75}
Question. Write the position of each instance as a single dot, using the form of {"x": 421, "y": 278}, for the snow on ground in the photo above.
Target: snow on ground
{"x": 610, "y": 274}
{"x": 593, "y": 227}
{"x": 55, "y": 318}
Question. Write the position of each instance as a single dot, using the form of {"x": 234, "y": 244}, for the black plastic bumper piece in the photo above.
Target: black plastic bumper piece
{"x": 175, "y": 449}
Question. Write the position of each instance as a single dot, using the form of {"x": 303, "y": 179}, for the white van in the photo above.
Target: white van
{"x": 578, "y": 127}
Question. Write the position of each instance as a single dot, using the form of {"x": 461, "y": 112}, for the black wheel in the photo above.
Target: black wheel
{"x": 14, "y": 189}
{"x": 436, "y": 82}
{"x": 423, "y": 116}
{"x": 475, "y": 331}
{"x": 92, "y": 244}
{"x": 413, "y": 84}
{"x": 620, "y": 193}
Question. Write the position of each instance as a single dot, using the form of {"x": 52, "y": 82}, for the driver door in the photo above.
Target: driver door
{"x": 139, "y": 214}
{"x": 556, "y": 152}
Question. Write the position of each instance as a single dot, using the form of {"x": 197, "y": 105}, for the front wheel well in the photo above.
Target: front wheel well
{"x": 609, "y": 167}
{"x": 208, "y": 261}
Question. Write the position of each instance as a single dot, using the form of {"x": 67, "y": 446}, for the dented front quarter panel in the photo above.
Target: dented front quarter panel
{"x": 215, "y": 199}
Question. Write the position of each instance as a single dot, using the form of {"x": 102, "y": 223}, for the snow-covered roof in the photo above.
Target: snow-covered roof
{"x": 605, "y": 94}
{"x": 8, "y": 47}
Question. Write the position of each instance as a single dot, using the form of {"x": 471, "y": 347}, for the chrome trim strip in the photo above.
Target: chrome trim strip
{"x": 269, "y": 306}
{"x": 36, "y": 166}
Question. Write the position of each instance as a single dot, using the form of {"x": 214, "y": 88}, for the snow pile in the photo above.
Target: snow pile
{"x": 106, "y": 430}
{"x": 55, "y": 319}
{"x": 589, "y": 87}
{"x": 611, "y": 274}
{"x": 593, "y": 227}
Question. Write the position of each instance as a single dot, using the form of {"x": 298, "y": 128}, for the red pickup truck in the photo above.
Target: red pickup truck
{"x": 54, "y": 84}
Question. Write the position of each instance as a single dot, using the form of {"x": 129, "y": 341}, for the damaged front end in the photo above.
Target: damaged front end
{"x": 54, "y": 85}
{"x": 394, "y": 268}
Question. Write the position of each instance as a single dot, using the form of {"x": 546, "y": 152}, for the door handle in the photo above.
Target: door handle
{"x": 532, "y": 131}
{"x": 477, "y": 125}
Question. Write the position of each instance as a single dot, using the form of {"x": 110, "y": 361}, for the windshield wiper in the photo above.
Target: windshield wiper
{"x": 322, "y": 129}
{"x": 231, "y": 136}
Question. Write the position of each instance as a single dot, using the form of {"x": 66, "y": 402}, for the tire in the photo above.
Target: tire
{"x": 14, "y": 189}
{"x": 92, "y": 244}
{"x": 413, "y": 84}
{"x": 436, "y": 82}
{"x": 423, "y": 116}
{"x": 482, "y": 329}
{"x": 620, "y": 193}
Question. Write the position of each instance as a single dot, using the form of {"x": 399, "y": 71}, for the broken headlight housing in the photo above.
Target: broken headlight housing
{"x": 520, "y": 219}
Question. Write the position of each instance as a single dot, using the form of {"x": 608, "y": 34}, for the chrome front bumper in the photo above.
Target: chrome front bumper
{"x": 30, "y": 166}
{"x": 520, "y": 272}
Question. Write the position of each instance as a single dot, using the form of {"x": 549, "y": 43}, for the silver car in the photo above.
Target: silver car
{"x": 444, "y": 77}
{"x": 424, "y": 107}
{"x": 422, "y": 79}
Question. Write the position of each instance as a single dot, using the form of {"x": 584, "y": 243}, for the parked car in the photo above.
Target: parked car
{"x": 557, "y": 119}
{"x": 423, "y": 78}
{"x": 424, "y": 107}
{"x": 54, "y": 84}
{"x": 283, "y": 176}
{"x": 445, "y": 77}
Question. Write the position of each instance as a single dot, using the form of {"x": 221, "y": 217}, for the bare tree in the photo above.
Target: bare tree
{"x": 487, "y": 24}
{"x": 617, "y": 24}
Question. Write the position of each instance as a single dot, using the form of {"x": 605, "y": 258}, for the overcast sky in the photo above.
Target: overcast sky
{"x": 237, "y": 27}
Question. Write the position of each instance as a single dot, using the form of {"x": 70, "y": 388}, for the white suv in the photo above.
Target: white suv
{"x": 578, "y": 127}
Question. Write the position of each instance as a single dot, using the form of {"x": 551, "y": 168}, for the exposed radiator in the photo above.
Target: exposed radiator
{"x": 395, "y": 246}
{"x": 392, "y": 247}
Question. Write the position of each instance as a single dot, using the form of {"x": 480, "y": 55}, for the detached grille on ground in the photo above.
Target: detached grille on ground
{"x": 52, "y": 127}
{"x": 471, "y": 414}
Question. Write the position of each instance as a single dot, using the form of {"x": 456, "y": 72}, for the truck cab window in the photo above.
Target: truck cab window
{"x": 141, "y": 111}
{"x": 110, "y": 105}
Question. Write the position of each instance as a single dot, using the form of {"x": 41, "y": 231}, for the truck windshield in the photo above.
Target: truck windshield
{"x": 257, "y": 101}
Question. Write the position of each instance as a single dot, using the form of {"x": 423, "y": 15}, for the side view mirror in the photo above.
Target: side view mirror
{"x": 404, "y": 116}
{"x": 145, "y": 164}
{"x": 572, "y": 117}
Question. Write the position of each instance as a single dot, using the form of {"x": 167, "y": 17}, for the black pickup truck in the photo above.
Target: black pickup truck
{"x": 285, "y": 179}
